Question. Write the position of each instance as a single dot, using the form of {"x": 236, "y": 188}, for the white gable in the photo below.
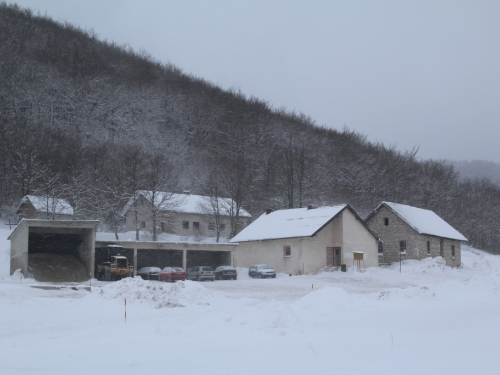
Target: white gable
{"x": 185, "y": 203}
{"x": 425, "y": 221}
{"x": 297, "y": 222}
{"x": 55, "y": 205}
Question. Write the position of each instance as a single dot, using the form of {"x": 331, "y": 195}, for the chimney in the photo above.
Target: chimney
{"x": 268, "y": 211}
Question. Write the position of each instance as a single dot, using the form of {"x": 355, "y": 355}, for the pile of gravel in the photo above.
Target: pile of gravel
{"x": 56, "y": 268}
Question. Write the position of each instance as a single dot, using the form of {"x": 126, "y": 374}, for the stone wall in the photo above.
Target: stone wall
{"x": 398, "y": 230}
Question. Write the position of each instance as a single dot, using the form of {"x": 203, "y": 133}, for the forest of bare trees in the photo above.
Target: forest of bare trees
{"x": 93, "y": 122}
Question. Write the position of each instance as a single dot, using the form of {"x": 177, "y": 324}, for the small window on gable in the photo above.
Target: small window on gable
{"x": 196, "y": 225}
{"x": 185, "y": 225}
{"x": 380, "y": 247}
{"x": 428, "y": 247}
{"x": 386, "y": 221}
{"x": 287, "y": 251}
{"x": 402, "y": 246}
{"x": 452, "y": 252}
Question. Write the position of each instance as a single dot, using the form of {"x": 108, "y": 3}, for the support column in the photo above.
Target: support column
{"x": 184, "y": 259}
{"x": 135, "y": 261}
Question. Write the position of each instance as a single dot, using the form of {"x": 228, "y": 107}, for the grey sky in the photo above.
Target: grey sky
{"x": 423, "y": 73}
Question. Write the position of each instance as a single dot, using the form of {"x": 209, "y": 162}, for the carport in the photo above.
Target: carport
{"x": 178, "y": 254}
{"x": 53, "y": 250}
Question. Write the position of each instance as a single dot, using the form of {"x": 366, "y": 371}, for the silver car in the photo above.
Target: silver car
{"x": 200, "y": 273}
{"x": 261, "y": 271}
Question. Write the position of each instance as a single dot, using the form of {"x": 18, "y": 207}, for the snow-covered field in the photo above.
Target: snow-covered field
{"x": 429, "y": 319}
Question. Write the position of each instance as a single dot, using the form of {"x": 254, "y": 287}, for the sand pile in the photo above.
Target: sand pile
{"x": 56, "y": 268}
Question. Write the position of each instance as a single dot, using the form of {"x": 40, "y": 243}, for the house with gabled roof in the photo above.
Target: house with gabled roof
{"x": 40, "y": 207}
{"x": 182, "y": 214}
{"x": 408, "y": 232}
{"x": 302, "y": 240}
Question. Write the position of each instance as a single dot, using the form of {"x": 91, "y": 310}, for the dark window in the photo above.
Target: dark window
{"x": 441, "y": 248}
{"x": 380, "y": 247}
{"x": 222, "y": 227}
{"x": 143, "y": 224}
{"x": 386, "y": 221}
{"x": 428, "y": 248}
{"x": 163, "y": 227}
{"x": 196, "y": 225}
{"x": 211, "y": 226}
{"x": 185, "y": 225}
{"x": 452, "y": 252}
{"x": 402, "y": 246}
{"x": 287, "y": 251}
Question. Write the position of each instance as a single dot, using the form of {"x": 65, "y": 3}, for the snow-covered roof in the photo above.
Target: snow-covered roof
{"x": 55, "y": 205}
{"x": 424, "y": 221}
{"x": 296, "y": 222}
{"x": 186, "y": 203}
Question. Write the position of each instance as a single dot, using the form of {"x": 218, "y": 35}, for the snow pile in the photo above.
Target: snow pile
{"x": 179, "y": 294}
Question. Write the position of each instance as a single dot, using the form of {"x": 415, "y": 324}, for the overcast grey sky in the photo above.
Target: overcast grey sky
{"x": 423, "y": 73}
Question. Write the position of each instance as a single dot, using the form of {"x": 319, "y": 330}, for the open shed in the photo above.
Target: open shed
{"x": 54, "y": 250}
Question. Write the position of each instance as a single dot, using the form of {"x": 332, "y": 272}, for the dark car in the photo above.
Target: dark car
{"x": 201, "y": 273}
{"x": 149, "y": 273}
{"x": 172, "y": 274}
{"x": 226, "y": 273}
{"x": 261, "y": 271}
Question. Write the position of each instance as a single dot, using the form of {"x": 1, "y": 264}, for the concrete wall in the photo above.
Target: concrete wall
{"x": 19, "y": 249}
{"x": 416, "y": 244}
{"x": 309, "y": 253}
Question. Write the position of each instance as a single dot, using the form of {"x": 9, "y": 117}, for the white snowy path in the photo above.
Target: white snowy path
{"x": 429, "y": 319}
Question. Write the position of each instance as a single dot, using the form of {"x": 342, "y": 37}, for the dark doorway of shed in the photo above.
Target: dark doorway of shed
{"x": 57, "y": 257}
{"x": 159, "y": 258}
{"x": 212, "y": 259}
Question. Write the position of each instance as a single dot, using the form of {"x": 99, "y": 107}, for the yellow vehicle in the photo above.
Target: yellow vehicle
{"x": 115, "y": 269}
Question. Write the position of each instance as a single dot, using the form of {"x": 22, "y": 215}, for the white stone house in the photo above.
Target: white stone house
{"x": 302, "y": 240}
{"x": 408, "y": 232}
{"x": 39, "y": 207}
{"x": 181, "y": 214}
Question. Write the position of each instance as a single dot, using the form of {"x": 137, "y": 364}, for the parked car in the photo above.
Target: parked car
{"x": 225, "y": 272}
{"x": 201, "y": 273}
{"x": 172, "y": 274}
{"x": 149, "y": 273}
{"x": 261, "y": 271}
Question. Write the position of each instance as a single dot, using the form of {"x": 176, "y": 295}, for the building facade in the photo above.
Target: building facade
{"x": 408, "y": 232}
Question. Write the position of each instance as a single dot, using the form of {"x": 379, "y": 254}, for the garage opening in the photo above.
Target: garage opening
{"x": 212, "y": 259}
{"x": 59, "y": 254}
{"x": 159, "y": 258}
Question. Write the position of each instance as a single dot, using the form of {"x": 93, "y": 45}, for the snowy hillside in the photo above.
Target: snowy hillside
{"x": 429, "y": 319}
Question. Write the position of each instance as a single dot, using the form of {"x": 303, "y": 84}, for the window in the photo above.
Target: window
{"x": 211, "y": 226}
{"x": 287, "y": 251}
{"x": 196, "y": 225}
{"x": 163, "y": 227}
{"x": 452, "y": 252}
{"x": 386, "y": 221}
{"x": 441, "y": 248}
{"x": 143, "y": 224}
{"x": 428, "y": 247}
{"x": 185, "y": 225}
{"x": 222, "y": 227}
{"x": 380, "y": 247}
{"x": 402, "y": 247}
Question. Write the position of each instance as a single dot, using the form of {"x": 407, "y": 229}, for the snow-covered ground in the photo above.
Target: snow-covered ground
{"x": 429, "y": 319}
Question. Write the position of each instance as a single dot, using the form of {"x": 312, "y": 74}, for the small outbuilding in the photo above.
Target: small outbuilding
{"x": 39, "y": 207}
{"x": 53, "y": 250}
{"x": 408, "y": 232}
{"x": 302, "y": 240}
